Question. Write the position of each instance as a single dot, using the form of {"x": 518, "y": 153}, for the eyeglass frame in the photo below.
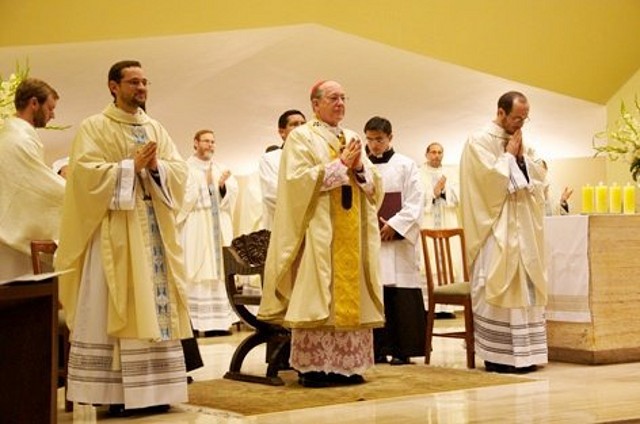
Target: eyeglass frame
{"x": 136, "y": 82}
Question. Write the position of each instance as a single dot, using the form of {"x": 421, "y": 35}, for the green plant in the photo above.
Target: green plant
{"x": 8, "y": 91}
{"x": 623, "y": 140}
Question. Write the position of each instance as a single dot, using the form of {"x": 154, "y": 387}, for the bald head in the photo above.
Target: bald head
{"x": 434, "y": 155}
{"x": 328, "y": 102}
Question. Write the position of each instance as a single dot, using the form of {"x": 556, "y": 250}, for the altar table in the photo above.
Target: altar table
{"x": 593, "y": 264}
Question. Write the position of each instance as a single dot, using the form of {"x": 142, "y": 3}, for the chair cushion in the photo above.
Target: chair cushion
{"x": 460, "y": 288}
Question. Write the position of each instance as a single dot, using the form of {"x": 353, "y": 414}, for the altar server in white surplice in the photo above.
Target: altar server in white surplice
{"x": 399, "y": 216}
{"x": 270, "y": 164}
{"x": 125, "y": 296}
{"x": 201, "y": 229}
{"x": 441, "y": 200}
{"x": 401, "y": 232}
{"x": 502, "y": 209}
{"x": 30, "y": 192}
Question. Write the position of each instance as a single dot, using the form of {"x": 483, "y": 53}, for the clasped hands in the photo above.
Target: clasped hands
{"x": 438, "y": 188}
{"x": 351, "y": 155}
{"x": 145, "y": 157}
{"x": 514, "y": 145}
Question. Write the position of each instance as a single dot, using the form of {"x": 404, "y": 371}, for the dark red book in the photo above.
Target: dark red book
{"x": 391, "y": 205}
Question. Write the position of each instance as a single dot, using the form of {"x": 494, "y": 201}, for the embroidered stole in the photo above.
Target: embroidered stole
{"x": 347, "y": 262}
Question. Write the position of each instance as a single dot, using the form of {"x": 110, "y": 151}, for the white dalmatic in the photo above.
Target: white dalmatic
{"x": 398, "y": 261}
{"x": 201, "y": 236}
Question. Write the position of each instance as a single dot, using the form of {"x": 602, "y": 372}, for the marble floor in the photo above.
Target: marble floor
{"x": 561, "y": 393}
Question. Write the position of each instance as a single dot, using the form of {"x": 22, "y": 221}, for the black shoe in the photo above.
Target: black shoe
{"x": 155, "y": 409}
{"x": 381, "y": 359}
{"x": 189, "y": 379}
{"x": 445, "y": 315}
{"x": 313, "y": 379}
{"x": 508, "y": 369}
{"x": 526, "y": 370}
{"x": 217, "y": 333}
{"x": 344, "y": 380}
{"x": 499, "y": 368}
{"x": 397, "y": 360}
{"x": 356, "y": 379}
{"x": 118, "y": 410}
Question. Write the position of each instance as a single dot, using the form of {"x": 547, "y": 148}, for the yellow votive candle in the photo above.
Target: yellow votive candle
{"x": 602, "y": 198}
{"x": 629, "y": 203}
{"x": 587, "y": 199}
{"x": 615, "y": 198}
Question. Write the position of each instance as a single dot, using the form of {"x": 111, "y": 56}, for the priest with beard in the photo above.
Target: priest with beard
{"x": 209, "y": 189}
{"x": 124, "y": 294}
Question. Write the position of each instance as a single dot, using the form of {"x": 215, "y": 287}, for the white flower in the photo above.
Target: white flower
{"x": 8, "y": 91}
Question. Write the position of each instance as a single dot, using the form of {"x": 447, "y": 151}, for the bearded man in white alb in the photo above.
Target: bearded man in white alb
{"x": 202, "y": 238}
{"x": 30, "y": 193}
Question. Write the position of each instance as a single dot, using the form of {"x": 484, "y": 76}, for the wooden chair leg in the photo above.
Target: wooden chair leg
{"x": 68, "y": 405}
{"x": 469, "y": 337}
{"x": 431, "y": 316}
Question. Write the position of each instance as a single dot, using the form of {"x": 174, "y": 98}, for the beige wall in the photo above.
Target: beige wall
{"x": 581, "y": 48}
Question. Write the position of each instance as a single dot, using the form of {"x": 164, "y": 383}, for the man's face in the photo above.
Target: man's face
{"x": 131, "y": 91}
{"x": 292, "y": 122}
{"x": 330, "y": 108}
{"x": 434, "y": 155}
{"x": 43, "y": 113}
{"x": 516, "y": 118}
{"x": 378, "y": 142}
{"x": 205, "y": 146}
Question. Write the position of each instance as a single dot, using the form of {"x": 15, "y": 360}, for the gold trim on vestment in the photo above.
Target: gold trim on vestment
{"x": 346, "y": 258}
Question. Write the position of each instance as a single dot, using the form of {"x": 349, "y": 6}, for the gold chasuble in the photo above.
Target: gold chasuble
{"x": 322, "y": 268}
{"x": 138, "y": 244}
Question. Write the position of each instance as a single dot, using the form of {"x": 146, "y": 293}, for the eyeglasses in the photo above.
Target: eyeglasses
{"x": 518, "y": 119}
{"x": 137, "y": 82}
{"x": 334, "y": 98}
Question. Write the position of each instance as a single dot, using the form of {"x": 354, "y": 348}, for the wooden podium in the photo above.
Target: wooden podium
{"x": 612, "y": 334}
{"x": 29, "y": 350}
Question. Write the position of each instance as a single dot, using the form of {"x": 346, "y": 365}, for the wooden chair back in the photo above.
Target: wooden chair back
{"x": 42, "y": 252}
{"x": 441, "y": 241}
{"x": 459, "y": 292}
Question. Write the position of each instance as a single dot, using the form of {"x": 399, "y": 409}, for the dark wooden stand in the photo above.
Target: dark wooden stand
{"x": 276, "y": 337}
{"x": 29, "y": 351}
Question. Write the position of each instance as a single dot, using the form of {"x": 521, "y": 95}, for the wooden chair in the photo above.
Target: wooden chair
{"x": 42, "y": 252}
{"x": 246, "y": 256}
{"x": 445, "y": 290}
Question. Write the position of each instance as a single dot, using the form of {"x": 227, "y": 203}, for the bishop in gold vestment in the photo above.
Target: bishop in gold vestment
{"x": 322, "y": 273}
